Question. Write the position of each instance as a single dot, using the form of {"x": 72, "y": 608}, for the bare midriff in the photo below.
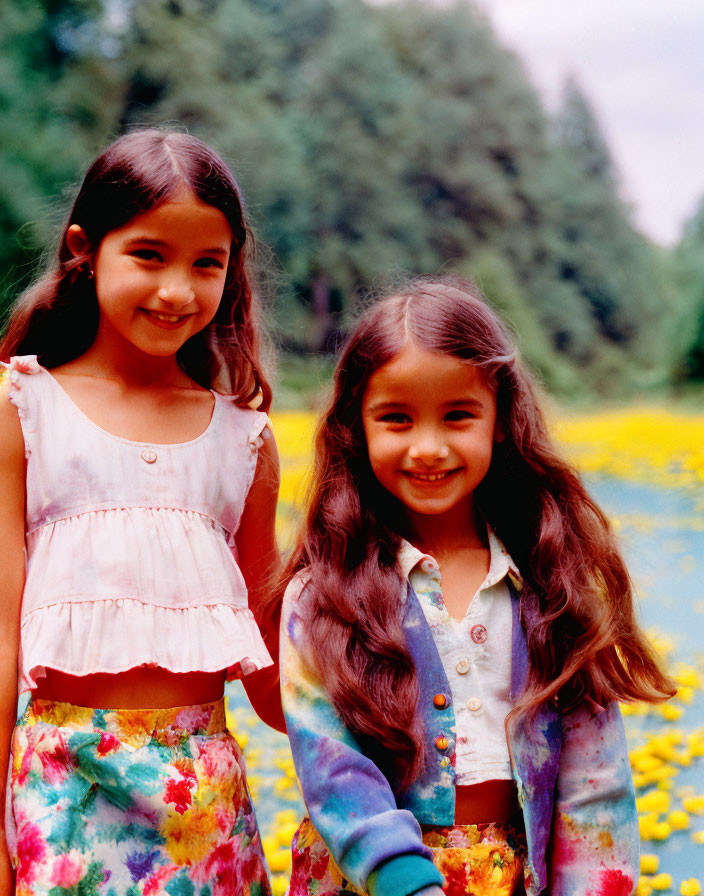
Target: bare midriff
{"x": 489, "y": 801}
{"x": 146, "y": 687}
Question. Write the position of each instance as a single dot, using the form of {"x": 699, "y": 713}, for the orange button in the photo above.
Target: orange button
{"x": 439, "y": 701}
{"x": 441, "y": 743}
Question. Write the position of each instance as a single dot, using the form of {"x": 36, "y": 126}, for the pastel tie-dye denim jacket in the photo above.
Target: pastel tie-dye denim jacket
{"x": 571, "y": 770}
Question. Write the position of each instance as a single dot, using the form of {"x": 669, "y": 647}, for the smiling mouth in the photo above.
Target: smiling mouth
{"x": 428, "y": 477}
{"x": 163, "y": 319}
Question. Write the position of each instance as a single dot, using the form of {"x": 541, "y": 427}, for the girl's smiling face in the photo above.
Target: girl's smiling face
{"x": 159, "y": 278}
{"x": 430, "y": 422}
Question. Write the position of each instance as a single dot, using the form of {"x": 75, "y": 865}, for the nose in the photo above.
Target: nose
{"x": 428, "y": 446}
{"x": 176, "y": 291}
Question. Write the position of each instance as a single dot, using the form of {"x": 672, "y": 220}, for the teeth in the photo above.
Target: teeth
{"x": 429, "y": 477}
{"x": 169, "y": 318}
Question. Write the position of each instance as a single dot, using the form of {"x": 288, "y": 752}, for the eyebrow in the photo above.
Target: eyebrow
{"x": 400, "y": 405}
{"x": 387, "y": 405}
{"x": 148, "y": 241}
{"x": 463, "y": 402}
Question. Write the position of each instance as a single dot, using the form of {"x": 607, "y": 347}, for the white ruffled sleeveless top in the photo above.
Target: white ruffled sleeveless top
{"x": 130, "y": 546}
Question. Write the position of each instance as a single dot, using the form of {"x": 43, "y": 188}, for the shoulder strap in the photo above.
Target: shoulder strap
{"x": 20, "y": 373}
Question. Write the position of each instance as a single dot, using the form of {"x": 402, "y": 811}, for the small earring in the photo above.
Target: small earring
{"x": 91, "y": 273}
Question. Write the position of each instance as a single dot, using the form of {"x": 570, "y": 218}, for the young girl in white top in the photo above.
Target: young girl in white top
{"x": 142, "y": 488}
{"x": 461, "y": 732}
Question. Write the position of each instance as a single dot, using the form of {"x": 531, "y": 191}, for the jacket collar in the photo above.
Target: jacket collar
{"x": 501, "y": 563}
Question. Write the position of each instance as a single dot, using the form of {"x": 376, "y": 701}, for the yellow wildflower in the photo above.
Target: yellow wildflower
{"x": 649, "y": 863}
{"x": 280, "y": 860}
{"x": 690, "y": 887}
{"x": 678, "y": 820}
{"x": 279, "y": 884}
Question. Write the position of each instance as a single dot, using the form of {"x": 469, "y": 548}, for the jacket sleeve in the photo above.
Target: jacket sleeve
{"x": 349, "y": 800}
{"x": 595, "y": 842}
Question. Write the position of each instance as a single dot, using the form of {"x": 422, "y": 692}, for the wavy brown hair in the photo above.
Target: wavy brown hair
{"x": 577, "y": 601}
{"x": 57, "y": 317}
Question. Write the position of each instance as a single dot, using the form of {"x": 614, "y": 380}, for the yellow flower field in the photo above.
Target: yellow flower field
{"x": 645, "y": 444}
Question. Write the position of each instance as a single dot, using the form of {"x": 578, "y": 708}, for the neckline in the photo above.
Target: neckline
{"x": 112, "y": 435}
{"x": 501, "y": 563}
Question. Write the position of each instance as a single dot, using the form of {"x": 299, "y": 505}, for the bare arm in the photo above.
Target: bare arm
{"x": 260, "y": 562}
{"x": 12, "y": 495}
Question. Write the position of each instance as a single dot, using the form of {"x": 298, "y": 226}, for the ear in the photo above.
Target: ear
{"x": 77, "y": 242}
{"x": 499, "y": 433}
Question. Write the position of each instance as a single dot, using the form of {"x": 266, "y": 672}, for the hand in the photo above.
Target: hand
{"x": 433, "y": 890}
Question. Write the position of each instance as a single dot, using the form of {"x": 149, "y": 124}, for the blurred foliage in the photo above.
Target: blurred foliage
{"x": 688, "y": 274}
{"x": 367, "y": 140}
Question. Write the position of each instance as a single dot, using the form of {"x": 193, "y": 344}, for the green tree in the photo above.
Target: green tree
{"x": 54, "y": 101}
{"x": 482, "y": 162}
{"x": 315, "y": 135}
{"x": 366, "y": 140}
{"x": 598, "y": 251}
{"x": 687, "y": 266}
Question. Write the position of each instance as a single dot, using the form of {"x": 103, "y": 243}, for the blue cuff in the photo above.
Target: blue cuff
{"x": 402, "y": 876}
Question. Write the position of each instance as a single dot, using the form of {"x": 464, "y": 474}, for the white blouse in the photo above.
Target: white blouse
{"x": 476, "y": 656}
{"x": 131, "y": 553}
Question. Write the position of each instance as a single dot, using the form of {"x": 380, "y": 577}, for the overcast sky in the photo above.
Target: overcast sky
{"x": 641, "y": 64}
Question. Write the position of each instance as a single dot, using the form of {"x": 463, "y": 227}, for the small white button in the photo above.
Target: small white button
{"x": 474, "y": 703}
{"x": 149, "y": 455}
{"x": 463, "y": 665}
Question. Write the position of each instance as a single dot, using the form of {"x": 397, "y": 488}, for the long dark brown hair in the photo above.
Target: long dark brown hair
{"x": 577, "y": 598}
{"x": 57, "y": 317}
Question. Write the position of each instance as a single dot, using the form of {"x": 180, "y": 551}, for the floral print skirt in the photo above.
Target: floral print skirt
{"x": 479, "y": 859}
{"x": 131, "y": 803}
{"x": 475, "y": 859}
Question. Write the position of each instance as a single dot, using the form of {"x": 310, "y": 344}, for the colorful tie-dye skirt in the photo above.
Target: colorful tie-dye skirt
{"x": 476, "y": 860}
{"x": 131, "y": 803}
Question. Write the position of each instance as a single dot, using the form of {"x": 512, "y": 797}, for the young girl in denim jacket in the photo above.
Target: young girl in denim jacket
{"x": 143, "y": 487}
{"x": 460, "y": 732}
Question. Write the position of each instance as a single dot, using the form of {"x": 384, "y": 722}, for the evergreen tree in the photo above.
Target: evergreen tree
{"x": 686, "y": 337}
{"x": 306, "y": 100}
{"x": 366, "y": 140}
{"x": 481, "y": 162}
{"x": 53, "y": 101}
{"x": 598, "y": 251}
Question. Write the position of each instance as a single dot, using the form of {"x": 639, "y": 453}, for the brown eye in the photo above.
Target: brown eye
{"x": 146, "y": 254}
{"x": 396, "y": 417}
